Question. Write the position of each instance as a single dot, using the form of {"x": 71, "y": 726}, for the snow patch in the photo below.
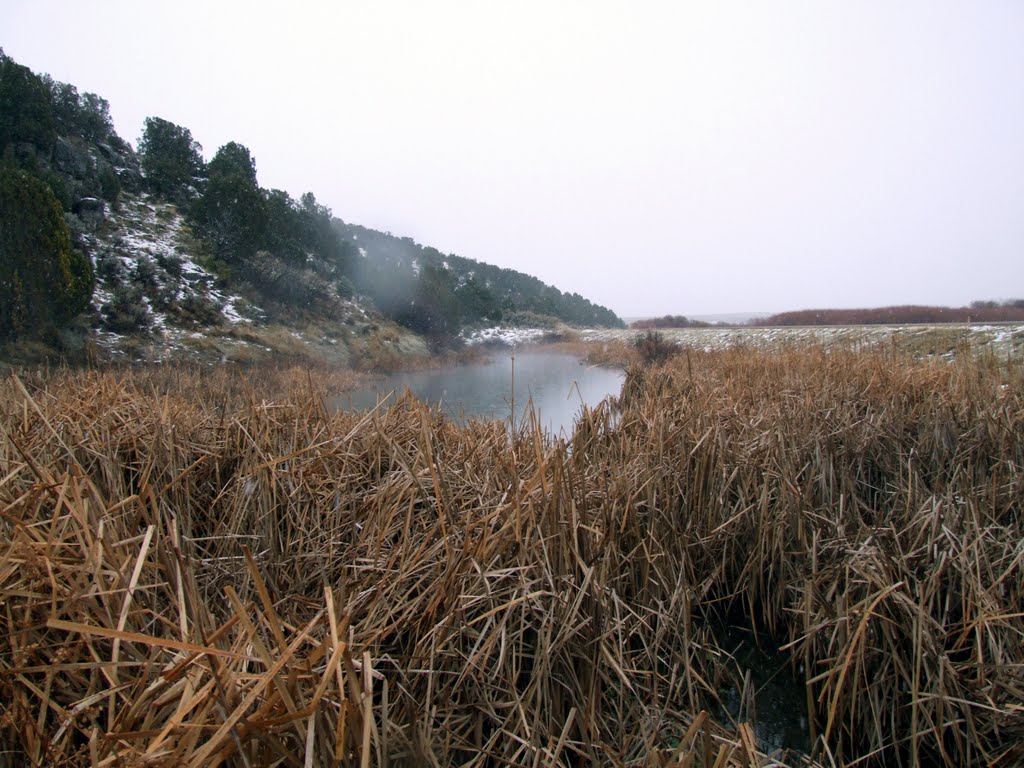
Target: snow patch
{"x": 143, "y": 230}
{"x": 506, "y": 336}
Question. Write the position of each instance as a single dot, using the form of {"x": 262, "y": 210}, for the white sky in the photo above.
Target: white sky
{"x": 675, "y": 157}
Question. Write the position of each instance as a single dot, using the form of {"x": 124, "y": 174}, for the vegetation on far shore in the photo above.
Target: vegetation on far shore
{"x": 982, "y": 311}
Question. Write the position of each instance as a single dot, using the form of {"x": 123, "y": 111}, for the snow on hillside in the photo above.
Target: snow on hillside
{"x": 149, "y": 283}
{"x": 157, "y": 299}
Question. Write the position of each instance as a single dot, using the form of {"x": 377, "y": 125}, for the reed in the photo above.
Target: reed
{"x": 208, "y": 566}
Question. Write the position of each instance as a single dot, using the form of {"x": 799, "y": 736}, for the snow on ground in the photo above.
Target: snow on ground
{"x": 1000, "y": 338}
{"x": 926, "y": 339}
{"x": 144, "y": 235}
{"x": 508, "y": 336}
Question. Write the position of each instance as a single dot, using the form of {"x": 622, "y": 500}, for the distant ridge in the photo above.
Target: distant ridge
{"x": 980, "y": 311}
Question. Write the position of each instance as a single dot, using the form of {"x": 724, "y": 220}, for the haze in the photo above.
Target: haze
{"x": 684, "y": 158}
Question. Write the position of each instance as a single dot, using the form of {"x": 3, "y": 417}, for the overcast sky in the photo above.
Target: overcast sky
{"x": 676, "y": 157}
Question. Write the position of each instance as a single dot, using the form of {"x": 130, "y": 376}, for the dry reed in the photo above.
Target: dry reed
{"x": 202, "y": 568}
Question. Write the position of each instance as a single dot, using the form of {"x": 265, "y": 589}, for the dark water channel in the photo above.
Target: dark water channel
{"x": 556, "y": 385}
{"x": 764, "y": 693}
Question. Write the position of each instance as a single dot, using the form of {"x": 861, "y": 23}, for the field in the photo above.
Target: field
{"x": 206, "y": 566}
{"x": 1001, "y": 339}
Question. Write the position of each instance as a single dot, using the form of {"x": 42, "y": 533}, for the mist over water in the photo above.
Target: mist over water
{"x": 556, "y": 385}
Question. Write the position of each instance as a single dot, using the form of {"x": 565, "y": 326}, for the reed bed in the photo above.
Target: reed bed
{"x": 204, "y": 568}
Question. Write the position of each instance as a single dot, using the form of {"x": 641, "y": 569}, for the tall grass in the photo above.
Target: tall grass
{"x": 202, "y": 568}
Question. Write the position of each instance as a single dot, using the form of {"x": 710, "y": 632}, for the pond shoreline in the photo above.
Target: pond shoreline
{"x": 501, "y": 386}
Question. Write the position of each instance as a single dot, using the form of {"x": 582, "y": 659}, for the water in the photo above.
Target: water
{"x": 776, "y": 703}
{"x": 557, "y": 385}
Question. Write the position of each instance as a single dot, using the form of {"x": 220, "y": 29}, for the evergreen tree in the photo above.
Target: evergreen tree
{"x": 26, "y": 115}
{"x": 86, "y": 115}
{"x": 171, "y": 158}
{"x": 44, "y": 283}
{"x": 284, "y": 228}
{"x": 232, "y": 211}
{"x": 434, "y": 309}
{"x": 320, "y": 237}
{"x": 477, "y": 302}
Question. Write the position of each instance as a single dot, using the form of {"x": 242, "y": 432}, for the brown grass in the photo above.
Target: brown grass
{"x": 207, "y": 567}
{"x": 618, "y": 353}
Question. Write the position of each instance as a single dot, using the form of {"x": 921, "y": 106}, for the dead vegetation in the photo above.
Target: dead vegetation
{"x": 200, "y": 568}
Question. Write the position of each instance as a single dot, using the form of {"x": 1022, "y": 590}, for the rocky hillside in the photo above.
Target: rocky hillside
{"x": 157, "y": 297}
{"x": 193, "y": 259}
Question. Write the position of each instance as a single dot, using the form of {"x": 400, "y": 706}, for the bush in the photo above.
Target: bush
{"x": 44, "y": 282}
{"x": 110, "y": 184}
{"x": 199, "y": 309}
{"x": 283, "y": 283}
{"x": 345, "y": 288}
{"x": 172, "y": 264}
{"x": 126, "y": 312}
{"x": 109, "y": 267}
{"x": 528, "y": 319}
{"x": 654, "y": 348}
{"x": 144, "y": 274}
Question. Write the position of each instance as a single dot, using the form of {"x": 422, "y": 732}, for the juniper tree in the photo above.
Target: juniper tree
{"x": 44, "y": 282}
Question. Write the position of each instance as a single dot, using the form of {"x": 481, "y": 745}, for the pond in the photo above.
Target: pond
{"x": 556, "y": 385}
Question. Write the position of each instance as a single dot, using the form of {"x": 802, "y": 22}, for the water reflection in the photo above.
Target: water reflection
{"x": 556, "y": 385}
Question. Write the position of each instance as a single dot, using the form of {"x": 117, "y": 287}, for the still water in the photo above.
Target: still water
{"x": 556, "y": 385}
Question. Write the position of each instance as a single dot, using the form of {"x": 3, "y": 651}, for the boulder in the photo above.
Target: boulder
{"x": 108, "y": 153}
{"x": 69, "y": 160}
{"x": 91, "y": 210}
{"x": 131, "y": 179}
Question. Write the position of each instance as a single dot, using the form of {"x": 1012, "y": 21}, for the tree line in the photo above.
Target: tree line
{"x": 433, "y": 293}
{"x": 668, "y": 321}
{"x": 1011, "y": 310}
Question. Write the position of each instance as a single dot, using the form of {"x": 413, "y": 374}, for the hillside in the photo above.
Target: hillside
{"x": 153, "y": 253}
{"x": 393, "y": 271}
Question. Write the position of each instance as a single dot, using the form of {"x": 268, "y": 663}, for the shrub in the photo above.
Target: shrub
{"x": 44, "y": 282}
{"x": 144, "y": 274}
{"x": 654, "y": 348}
{"x": 199, "y": 309}
{"x": 283, "y": 283}
{"x": 110, "y": 185}
{"x": 171, "y": 263}
{"x": 344, "y": 287}
{"x": 109, "y": 268}
{"x": 126, "y": 312}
